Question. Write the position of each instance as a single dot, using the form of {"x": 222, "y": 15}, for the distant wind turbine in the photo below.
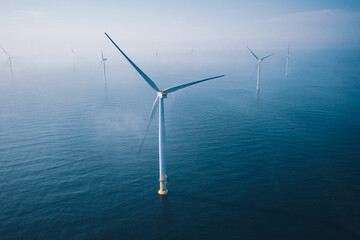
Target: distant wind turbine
{"x": 258, "y": 67}
{"x": 157, "y": 62}
{"x": 287, "y": 61}
{"x": 73, "y": 57}
{"x": 159, "y": 100}
{"x": 9, "y": 61}
{"x": 103, "y": 63}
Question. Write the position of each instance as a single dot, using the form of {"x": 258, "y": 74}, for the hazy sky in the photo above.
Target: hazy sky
{"x": 39, "y": 28}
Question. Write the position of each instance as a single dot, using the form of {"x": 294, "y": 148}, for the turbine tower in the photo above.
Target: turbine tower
{"x": 103, "y": 62}
{"x": 259, "y": 61}
{"x": 159, "y": 102}
{"x": 9, "y": 62}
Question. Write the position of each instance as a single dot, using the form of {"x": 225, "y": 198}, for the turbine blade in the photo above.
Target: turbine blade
{"x": 147, "y": 79}
{"x": 252, "y": 53}
{"x": 102, "y": 55}
{"x": 152, "y": 114}
{"x": 174, "y": 89}
{"x": 5, "y": 51}
{"x": 266, "y": 56}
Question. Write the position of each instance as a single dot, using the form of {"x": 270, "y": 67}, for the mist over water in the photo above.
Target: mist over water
{"x": 282, "y": 163}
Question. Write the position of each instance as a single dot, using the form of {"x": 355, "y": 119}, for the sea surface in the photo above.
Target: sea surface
{"x": 281, "y": 163}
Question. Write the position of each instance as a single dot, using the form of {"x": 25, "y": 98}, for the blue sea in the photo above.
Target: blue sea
{"x": 281, "y": 163}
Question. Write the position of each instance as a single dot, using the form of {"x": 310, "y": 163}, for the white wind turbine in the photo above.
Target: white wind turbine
{"x": 258, "y": 67}
{"x": 74, "y": 59}
{"x": 157, "y": 62}
{"x": 9, "y": 62}
{"x": 287, "y": 61}
{"x": 103, "y": 62}
{"x": 159, "y": 100}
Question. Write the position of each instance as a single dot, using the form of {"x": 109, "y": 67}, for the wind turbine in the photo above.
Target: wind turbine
{"x": 258, "y": 67}
{"x": 287, "y": 61}
{"x": 157, "y": 62}
{"x": 10, "y": 62}
{"x": 103, "y": 62}
{"x": 159, "y": 101}
{"x": 74, "y": 59}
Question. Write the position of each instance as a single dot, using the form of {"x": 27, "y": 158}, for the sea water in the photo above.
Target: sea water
{"x": 281, "y": 163}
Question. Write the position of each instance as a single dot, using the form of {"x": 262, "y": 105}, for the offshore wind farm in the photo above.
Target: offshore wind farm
{"x": 265, "y": 153}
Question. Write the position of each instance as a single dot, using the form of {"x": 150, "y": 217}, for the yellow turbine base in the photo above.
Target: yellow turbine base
{"x": 161, "y": 192}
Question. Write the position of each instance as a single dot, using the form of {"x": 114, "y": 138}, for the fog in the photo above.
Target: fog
{"x": 43, "y": 33}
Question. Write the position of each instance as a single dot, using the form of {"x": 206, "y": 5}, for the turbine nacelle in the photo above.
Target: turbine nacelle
{"x": 162, "y": 94}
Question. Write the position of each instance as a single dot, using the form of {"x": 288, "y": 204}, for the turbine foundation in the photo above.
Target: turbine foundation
{"x": 163, "y": 190}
